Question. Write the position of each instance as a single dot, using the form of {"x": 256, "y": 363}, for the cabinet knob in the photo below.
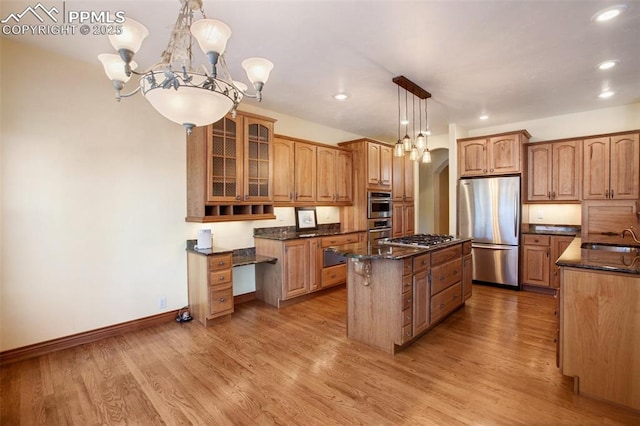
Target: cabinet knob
{"x": 296, "y": 195}
{"x": 291, "y": 195}
{"x": 484, "y": 170}
{"x": 246, "y": 197}
{"x": 408, "y": 317}
{"x": 238, "y": 197}
{"x": 441, "y": 278}
{"x": 221, "y": 263}
{"x": 491, "y": 170}
{"x": 549, "y": 195}
{"x": 221, "y": 278}
{"x": 441, "y": 306}
{"x": 221, "y": 299}
{"x": 455, "y": 272}
{"x": 424, "y": 262}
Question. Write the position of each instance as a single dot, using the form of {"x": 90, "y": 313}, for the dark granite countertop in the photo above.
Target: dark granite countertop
{"x": 240, "y": 257}
{"x": 535, "y": 228}
{"x": 599, "y": 260}
{"x": 284, "y": 233}
{"x": 364, "y": 251}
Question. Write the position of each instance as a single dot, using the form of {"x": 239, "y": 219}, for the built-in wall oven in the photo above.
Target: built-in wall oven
{"x": 379, "y": 205}
{"x": 378, "y": 230}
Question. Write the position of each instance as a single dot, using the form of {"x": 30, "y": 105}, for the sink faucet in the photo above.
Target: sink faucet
{"x": 633, "y": 234}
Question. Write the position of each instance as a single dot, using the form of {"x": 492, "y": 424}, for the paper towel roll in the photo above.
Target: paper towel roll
{"x": 204, "y": 239}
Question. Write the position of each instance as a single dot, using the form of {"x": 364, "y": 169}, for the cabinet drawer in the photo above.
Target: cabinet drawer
{"x": 466, "y": 248}
{"x": 422, "y": 262}
{"x": 219, "y": 277}
{"x": 407, "y": 268}
{"x": 407, "y": 316}
{"x": 537, "y": 240}
{"x": 220, "y": 300}
{"x": 220, "y": 262}
{"x": 406, "y": 333}
{"x": 445, "y": 255}
{"x": 334, "y": 275}
{"x": 407, "y": 283}
{"x": 446, "y": 301}
{"x": 444, "y": 275}
{"x": 407, "y": 300}
{"x": 337, "y": 240}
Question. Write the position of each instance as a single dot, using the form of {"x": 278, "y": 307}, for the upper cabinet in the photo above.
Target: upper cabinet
{"x": 229, "y": 173}
{"x": 379, "y": 166}
{"x": 307, "y": 173}
{"x": 553, "y": 171}
{"x": 611, "y": 167}
{"x": 492, "y": 155}
{"x": 403, "y": 178}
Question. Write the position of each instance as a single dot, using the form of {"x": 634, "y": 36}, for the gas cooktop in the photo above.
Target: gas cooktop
{"x": 419, "y": 240}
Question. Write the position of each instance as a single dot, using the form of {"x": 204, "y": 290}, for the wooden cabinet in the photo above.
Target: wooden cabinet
{"x": 492, "y": 155}
{"x": 379, "y": 166}
{"x": 536, "y": 251}
{"x": 467, "y": 270}
{"x": 307, "y": 173}
{"x": 554, "y": 171}
{"x": 421, "y": 304}
{"x": 403, "y": 222}
{"x": 210, "y": 282}
{"x": 446, "y": 281}
{"x": 539, "y": 255}
{"x": 403, "y": 179}
{"x": 611, "y": 167}
{"x": 299, "y": 269}
{"x": 334, "y": 180}
{"x": 229, "y": 170}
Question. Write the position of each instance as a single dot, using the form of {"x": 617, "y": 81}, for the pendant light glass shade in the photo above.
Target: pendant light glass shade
{"x": 406, "y": 142}
{"x": 414, "y": 154}
{"x": 398, "y": 149}
{"x": 421, "y": 142}
{"x": 131, "y": 38}
{"x": 426, "y": 156}
{"x": 114, "y": 67}
{"x": 212, "y": 35}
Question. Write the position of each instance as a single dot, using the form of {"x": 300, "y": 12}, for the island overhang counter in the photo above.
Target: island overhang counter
{"x": 397, "y": 294}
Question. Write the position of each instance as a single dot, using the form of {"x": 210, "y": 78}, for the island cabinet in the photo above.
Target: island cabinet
{"x": 611, "y": 166}
{"x": 299, "y": 269}
{"x": 553, "y": 171}
{"x": 467, "y": 270}
{"x": 229, "y": 170}
{"x": 491, "y": 155}
{"x": 392, "y": 301}
{"x": 210, "y": 286}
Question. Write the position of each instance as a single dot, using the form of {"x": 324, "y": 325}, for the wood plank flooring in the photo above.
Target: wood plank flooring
{"x": 492, "y": 362}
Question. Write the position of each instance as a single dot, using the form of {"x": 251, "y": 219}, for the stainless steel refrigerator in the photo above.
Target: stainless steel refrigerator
{"x": 489, "y": 212}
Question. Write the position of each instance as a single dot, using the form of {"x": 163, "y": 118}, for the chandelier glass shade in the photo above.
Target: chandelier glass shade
{"x": 183, "y": 94}
{"x": 416, "y": 148}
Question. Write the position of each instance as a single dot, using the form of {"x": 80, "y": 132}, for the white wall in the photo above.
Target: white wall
{"x": 94, "y": 200}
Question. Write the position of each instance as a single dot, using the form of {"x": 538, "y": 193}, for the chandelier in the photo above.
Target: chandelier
{"x": 416, "y": 147}
{"x": 185, "y": 95}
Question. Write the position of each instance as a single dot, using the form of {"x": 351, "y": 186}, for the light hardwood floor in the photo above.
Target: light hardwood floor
{"x": 492, "y": 362}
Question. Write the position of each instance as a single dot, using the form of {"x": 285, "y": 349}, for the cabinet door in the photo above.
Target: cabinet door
{"x": 315, "y": 263}
{"x": 344, "y": 173}
{"x": 224, "y": 167}
{"x": 472, "y": 159}
{"x": 305, "y": 173}
{"x": 558, "y": 245}
{"x": 421, "y": 302}
{"x": 408, "y": 178}
{"x": 397, "y": 187}
{"x": 503, "y": 154}
{"x": 283, "y": 170}
{"x": 296, "y": 269}
{"x": 386, "y": 156}
{"x": 539, "y": 164}
{"x": 408, "y": 217}
{"x": 257, "y": 159}
{"x": 467, "y": 276}
{"x": 397, "y": 219}
{"x": 373, "y": 164}
{"x": 625, "y": 167}
{"x": 595, "y": 164}
{"x": 565, "y": 180}
{"x": 326, "y": 176}
{"x": 536, "y": 265}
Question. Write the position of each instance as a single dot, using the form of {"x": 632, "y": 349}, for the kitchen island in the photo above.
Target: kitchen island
{"x": 396, "y": 294}
{"x": 599, "y": 342}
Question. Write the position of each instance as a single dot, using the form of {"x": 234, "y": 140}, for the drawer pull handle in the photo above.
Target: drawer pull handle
{"x": 408, "y": 317}
{"x": 221, "y": 278}
{"x": 333, "y": 276}
{"x": 455, "y": 272}
{"x": 442, "y": 306}
{"x": 221, "y": 263}
{"x": 424, "y": 262}
{"x": 222, "y": 300}
{"x": 408, "y": 334}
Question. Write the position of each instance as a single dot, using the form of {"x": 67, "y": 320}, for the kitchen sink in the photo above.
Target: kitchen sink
{"x": 605, "y": 247}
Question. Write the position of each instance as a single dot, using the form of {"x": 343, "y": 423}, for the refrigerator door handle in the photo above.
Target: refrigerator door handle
{"x": 492, "y": 246}
{"x": 516, "y": 219}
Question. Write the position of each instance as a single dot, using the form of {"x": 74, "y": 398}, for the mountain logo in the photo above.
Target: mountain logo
{"x": 36, "y": 11}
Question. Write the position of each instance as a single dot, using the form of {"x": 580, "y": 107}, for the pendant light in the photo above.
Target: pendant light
{"x": 417, "y": 150}
{"x": 426, "y": 155}
{"x": 421, "y": 141}
{"x": 398, "y": 149}
{"x": 406, "y": 141}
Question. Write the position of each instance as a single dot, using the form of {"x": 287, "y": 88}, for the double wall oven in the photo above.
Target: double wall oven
{"x": 379, "y": 217}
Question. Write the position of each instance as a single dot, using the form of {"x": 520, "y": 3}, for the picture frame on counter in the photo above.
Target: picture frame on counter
{"x": 306, "y": 218}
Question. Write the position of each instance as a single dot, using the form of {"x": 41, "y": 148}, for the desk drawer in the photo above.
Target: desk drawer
{"x": 220, "y": 300}
{"x": 219, "y": 277}
{"x": 218, "y": 262}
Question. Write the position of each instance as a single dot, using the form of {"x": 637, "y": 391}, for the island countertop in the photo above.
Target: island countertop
{"x": 364, "y": 251}
{"x": 599, "y": 260}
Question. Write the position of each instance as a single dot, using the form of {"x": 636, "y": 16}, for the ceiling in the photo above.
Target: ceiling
{"x": 513, "y": 60}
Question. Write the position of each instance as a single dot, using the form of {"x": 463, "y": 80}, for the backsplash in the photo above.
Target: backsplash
{"x": 562, "y": 214}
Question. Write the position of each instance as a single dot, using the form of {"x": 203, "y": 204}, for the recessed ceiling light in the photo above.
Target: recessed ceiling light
{"x": 606, "y": 94}
{"x": 340, "y": 96}
{"x": 484, "y": 117}
{"x": 609, "y": 13}
{"x": 608, "y": 64}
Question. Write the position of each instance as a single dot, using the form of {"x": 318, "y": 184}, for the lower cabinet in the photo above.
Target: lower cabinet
{"x": 467, "y": 270}
{"x": 299, "y": 269}
{"x": 210, "y": 281}
{"x": 539, "y": 255}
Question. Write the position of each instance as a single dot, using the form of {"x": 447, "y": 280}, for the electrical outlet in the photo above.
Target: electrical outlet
{"x": 162, "y": 302}
{"x": 540, "y": 214}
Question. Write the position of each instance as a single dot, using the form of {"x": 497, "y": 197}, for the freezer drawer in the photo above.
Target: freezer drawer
{"x": 495, "y": 263}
